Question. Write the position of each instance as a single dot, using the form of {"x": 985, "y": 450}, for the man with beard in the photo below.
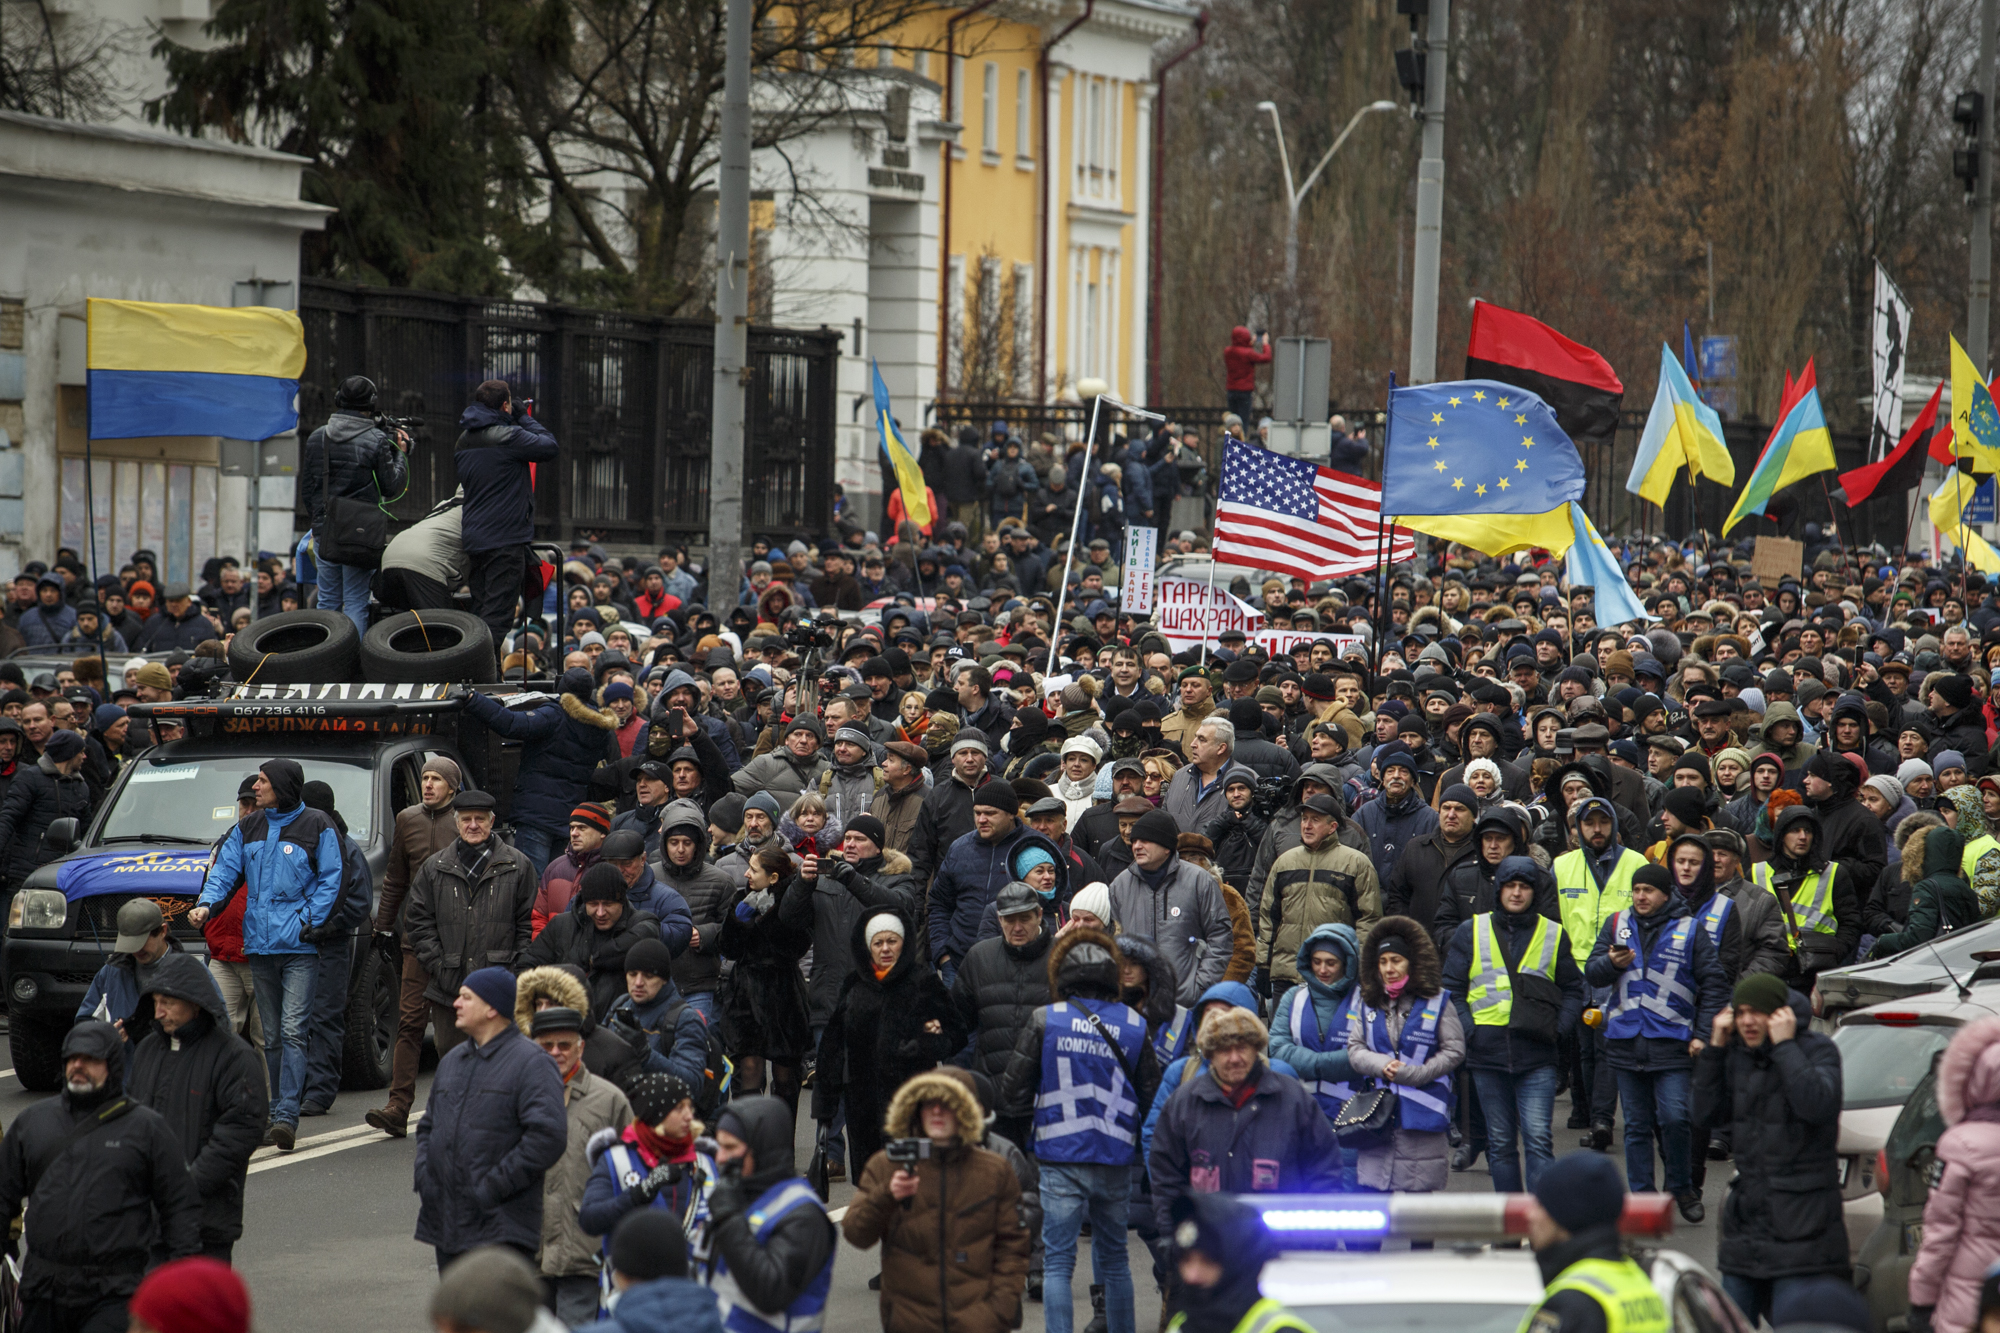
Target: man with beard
{"x": 108, "y": 1186}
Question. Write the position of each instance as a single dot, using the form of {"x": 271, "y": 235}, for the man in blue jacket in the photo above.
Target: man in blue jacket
{"x": 971, "y": 874}
{"x": 498, "y": 443}
{"x": 494, "y": 1125}
{"x": 288, "y": 859}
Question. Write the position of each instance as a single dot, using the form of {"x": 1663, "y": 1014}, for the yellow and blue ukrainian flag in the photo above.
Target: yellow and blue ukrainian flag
{"x": 1800, "y": 445}
{"x": 909, "y": 474}
{"x": 1681, "y": 430}
{"x": 158, "y": 369}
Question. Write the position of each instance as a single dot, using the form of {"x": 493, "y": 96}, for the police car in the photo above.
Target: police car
{"x": 1465, "y": 1284}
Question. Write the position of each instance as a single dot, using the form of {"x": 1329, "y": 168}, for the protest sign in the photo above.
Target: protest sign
{"x": 1189, "y": 613}
{"x": 1141, "y": 560}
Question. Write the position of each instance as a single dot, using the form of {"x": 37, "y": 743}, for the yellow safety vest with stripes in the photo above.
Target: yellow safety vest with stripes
{"x": 1266, "y": 1316}
{"x": 1812, "y": 901}
{"x": 1585, "y": 907}
{"x": 1631, "y": 1305}
{"x": 1490, "y": 994}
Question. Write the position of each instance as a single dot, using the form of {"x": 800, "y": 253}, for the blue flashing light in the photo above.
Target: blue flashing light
{"x": 1336, "y": 1221}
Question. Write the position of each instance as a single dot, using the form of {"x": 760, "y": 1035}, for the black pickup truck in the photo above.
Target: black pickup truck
{"x": 155, "y": 832}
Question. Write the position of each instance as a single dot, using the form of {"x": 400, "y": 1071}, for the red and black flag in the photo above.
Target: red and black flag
{"x": 1903, "y": 468}
{"x": 1577, "y": 383}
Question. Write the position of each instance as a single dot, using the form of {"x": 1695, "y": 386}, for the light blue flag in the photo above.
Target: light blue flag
{"x": 1591, "y": 564}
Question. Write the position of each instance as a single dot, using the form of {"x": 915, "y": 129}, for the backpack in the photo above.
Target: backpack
{"x": 716, "y": 1066}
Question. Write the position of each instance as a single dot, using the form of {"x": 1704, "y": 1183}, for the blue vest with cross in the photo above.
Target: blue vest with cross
{"x": 1087, "y": 1109}
{"x": 1426, "y": 1108}
{"x": 807, "y": 1313}
{"x": 1714, "y": 918}
{"x": 1307, "y": 1032}
{"x": 1655, "y": 996}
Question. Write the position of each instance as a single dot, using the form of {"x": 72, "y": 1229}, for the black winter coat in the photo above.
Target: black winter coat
{"x": 206, "y": 1083}
{"x": 1781, "y": 1105}
{"x": 1851, "y": 834}
{"x": 163, "y": 633}
{"x": 456, "y": 924}
{"x": 997, "y": 991}
{"x": 829, "y": 908}
{"x": 1527, "y": 1040}
{"x": 1963, "y": 731}
{"x": 764, "y": 998}
{"x": 946, "y": 816}
{"x": 38, "y": 797}
{"x": 572, "y": 937}
{"x": 102, "y": 1202}
{"x": 492, "y": 458}
{"x": 1415, "y": 884}
{"x": 495, "y": 1123}
{"x": 875, "y": 1039}
{"x": 964, "y": 474}
{"x": 363, "y": 463}
{"x": 1235, "y": 836}
{"x": 562, "y": 743}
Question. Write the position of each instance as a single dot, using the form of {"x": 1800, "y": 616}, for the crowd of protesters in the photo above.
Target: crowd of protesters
{"x": 1054, "y": 922}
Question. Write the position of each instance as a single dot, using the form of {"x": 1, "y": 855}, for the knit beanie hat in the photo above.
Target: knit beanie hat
{"x": 1892, "y": 790}
{"x": 602, "y": 883}
{"x": 1095, "y": 899}
{"x": 654, "y": 1096}
{"x": 197, "y": 1295}
{"x": 997, "y": 794}
{"x": 1157, "y": 827}
{"x": 1581, "y": 1191}
{"x": 649, "y": 1244}
{"x": 1686, "y": 804}
{"x": 495, "y": 985}
{"x": 1763, "y": 991}
{"x": 593, "y": 814}
{"x": 492, "y": 1289}
{"x": 649, "y": 956}
{"x": 870, "y": 828}
{"x": 1913, "y": 768}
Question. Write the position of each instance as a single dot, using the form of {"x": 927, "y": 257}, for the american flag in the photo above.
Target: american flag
{"x": 1292, "y": 516}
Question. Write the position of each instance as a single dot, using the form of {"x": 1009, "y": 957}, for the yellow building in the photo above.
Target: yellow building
{"x": 1000, "y": 170}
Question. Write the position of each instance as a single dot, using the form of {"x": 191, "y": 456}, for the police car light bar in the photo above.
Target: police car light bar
{"x": 1313, "y": 1220}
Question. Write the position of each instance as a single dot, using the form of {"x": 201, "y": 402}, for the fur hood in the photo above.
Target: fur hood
{"x": 864, "y": 962}
{"x": 1969, "y": 1074}
{"x": 1426, "y": 972}
{"x": 1910, "y": 843}
{"x": 1059, "y": 952}
{"x": 905, "y": 1118}
{"x": 579, "y": 711}
{"x": 895, "y": 863}
{"x": 551, "y": 983}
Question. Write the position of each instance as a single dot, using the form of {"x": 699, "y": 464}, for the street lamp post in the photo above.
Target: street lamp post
{"x": 1294, "y": 196}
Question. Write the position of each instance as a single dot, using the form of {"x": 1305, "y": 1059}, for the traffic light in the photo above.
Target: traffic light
{"x": 1410, "y": 61}
{"x": 1968, "y": 112}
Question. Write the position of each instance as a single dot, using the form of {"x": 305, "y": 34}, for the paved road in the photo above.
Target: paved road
{"x": 327, "y": 1232}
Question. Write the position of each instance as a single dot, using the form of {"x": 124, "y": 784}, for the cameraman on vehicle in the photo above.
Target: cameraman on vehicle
{"x": 498, "y": 444}
{"x": 350, "y": 458}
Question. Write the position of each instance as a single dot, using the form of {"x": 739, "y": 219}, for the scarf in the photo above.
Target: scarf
{"x": 472, "y": 858}
{"x": 1395, "y": 988}
{"x": 654, "y": 1147}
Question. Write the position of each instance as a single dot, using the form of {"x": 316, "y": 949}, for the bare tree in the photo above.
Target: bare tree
{"x": 616, "y": 104}
{"x": 59, "y": 67}
{"x": 994, "y": 347}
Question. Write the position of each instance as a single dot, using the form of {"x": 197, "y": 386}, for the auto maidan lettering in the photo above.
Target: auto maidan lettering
{"x": 162, "y": 873}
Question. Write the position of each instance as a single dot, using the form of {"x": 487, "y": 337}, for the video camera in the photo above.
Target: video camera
{"x": 808, "y": 635}
{"x": 906, "y": 1153}
{"x": 417, "y": 428}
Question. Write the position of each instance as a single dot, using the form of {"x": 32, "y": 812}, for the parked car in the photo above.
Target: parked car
{"x": 1906, "y": 1170}
{"x": 1928, "y": 967}
{"x": 1886, "y": 1054}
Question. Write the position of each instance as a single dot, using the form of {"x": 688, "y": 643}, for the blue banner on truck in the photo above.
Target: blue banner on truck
{"x": 133, "y": 872}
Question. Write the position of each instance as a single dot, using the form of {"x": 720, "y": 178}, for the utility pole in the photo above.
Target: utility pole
{"x": 1979, "y": 301}
{"x": 732, "y": 317}
{"x": 1430, "y": 198}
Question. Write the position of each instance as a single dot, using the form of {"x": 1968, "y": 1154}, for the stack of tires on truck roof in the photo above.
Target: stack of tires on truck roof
{"x": 362, "y": 712}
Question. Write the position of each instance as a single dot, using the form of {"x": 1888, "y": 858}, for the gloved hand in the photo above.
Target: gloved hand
{"x": 661, "y": 1176}
{"x": 745, "y": 913}
{"x": 324, "y": 932}
{"x": 1261, "y": 982}
{"x": 1920, "y": 1318}
{"x": 837, "y": 870}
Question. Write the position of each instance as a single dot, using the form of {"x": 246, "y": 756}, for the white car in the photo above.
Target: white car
{"x": 1472, "y": 1282}
{"x": 1885, "y": 1051}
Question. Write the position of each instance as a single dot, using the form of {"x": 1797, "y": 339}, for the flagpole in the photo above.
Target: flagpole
{"x": 1069, "y": 555}
{"x": 1378, "y": 616}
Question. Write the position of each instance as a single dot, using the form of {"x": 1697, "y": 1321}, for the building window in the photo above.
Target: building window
{"x": 1024, "y": 330}
{"x": 1024, "y": 113}
{"x": 954, "y": 322}
{"x": 989, "y": 110}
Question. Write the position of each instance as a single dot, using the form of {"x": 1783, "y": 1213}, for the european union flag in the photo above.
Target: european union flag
{"x": 1476, "y": 447}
